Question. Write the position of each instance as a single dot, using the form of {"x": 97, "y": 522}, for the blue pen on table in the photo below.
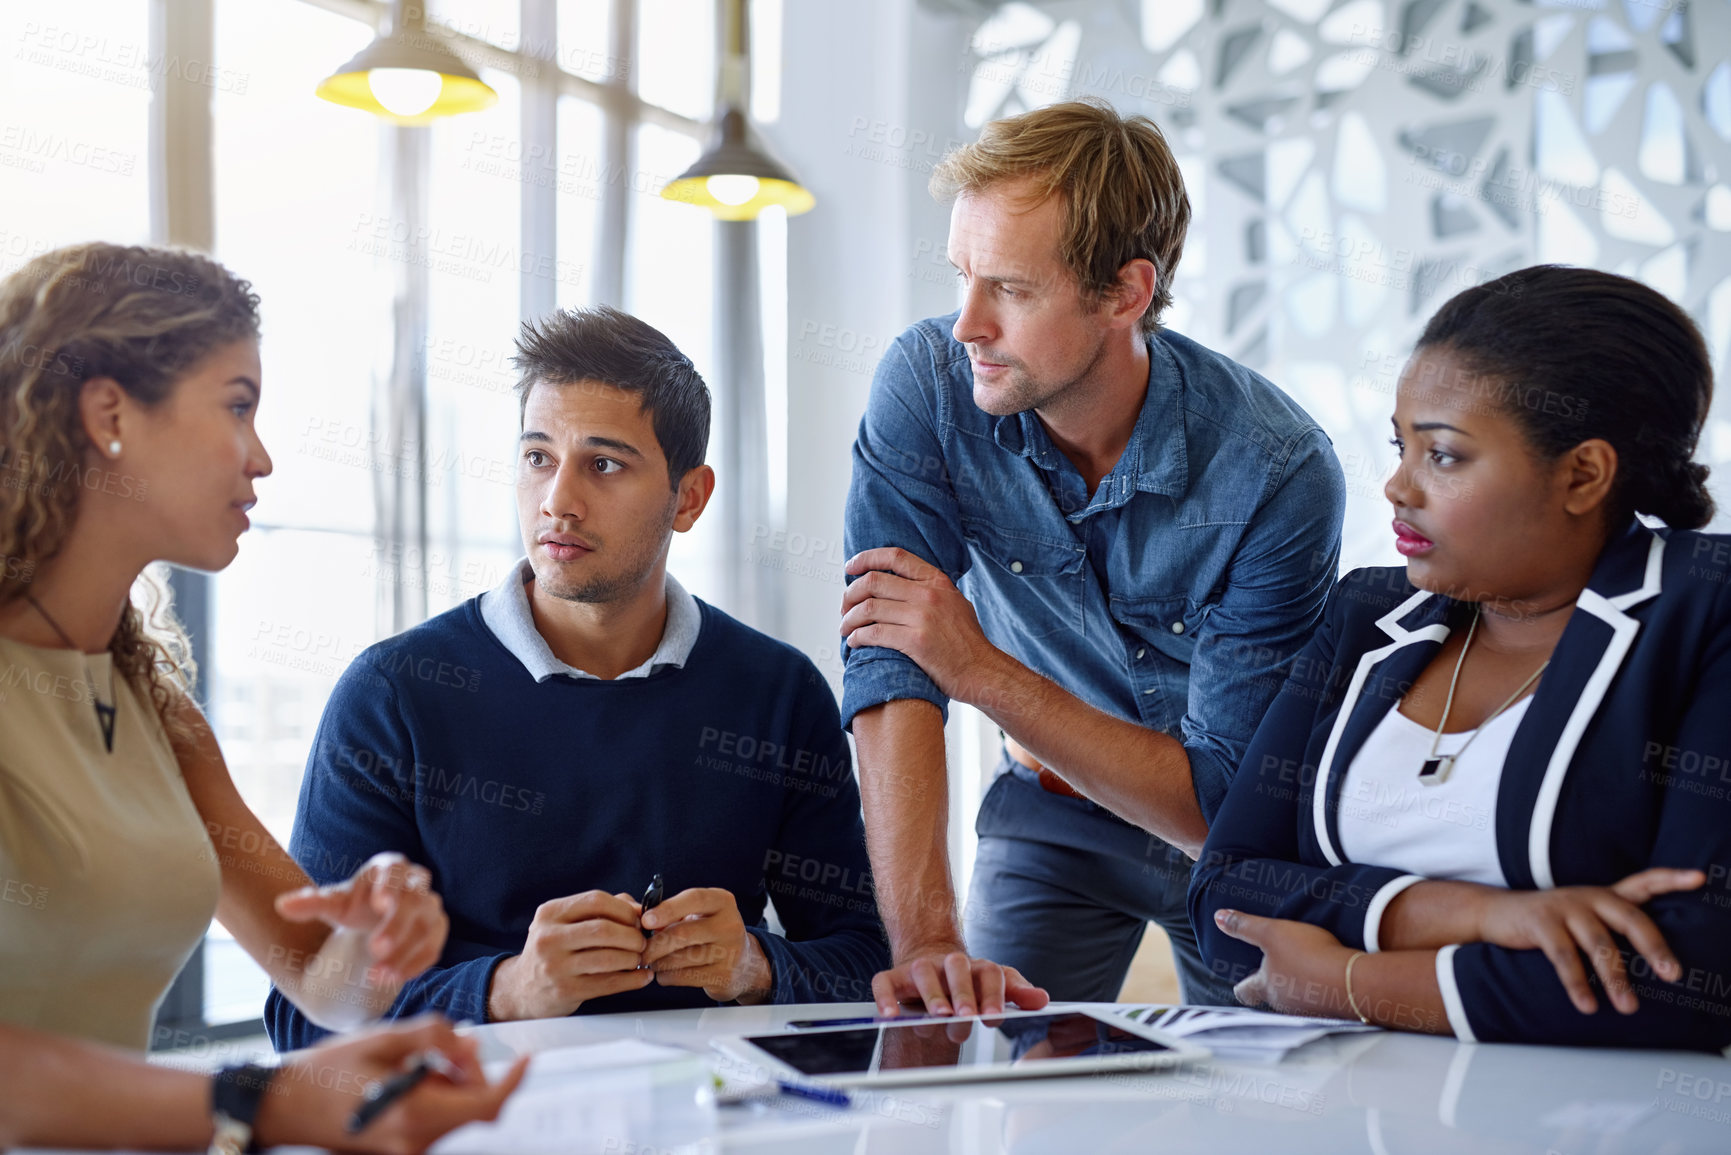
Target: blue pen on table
{"x": 379, "y": 1096}
{"x": 829, "y": 1096}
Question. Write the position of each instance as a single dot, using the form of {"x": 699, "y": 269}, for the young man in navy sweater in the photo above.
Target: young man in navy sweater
{"x": 550, "y": 747}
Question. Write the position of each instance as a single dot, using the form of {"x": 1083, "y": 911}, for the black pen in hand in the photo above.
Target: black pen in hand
{"x": 651, "y": 900}
{"x": 379, "y": 1096}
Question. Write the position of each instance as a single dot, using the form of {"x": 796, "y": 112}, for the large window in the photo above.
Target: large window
{"x": 307, "y": 201}
{"x": 308, "y": 205}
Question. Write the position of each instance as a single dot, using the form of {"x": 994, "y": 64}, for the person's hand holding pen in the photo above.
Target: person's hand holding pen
{"x": 579, "y": 948}
{"x": 698, "y": 939}
{"x": 315, "y": 1096}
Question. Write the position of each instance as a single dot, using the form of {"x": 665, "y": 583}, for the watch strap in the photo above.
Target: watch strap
{"x": 235, "y": 1095}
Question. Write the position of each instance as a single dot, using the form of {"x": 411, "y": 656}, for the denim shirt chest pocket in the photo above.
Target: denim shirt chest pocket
{"x": 1167, "y": 623}
{"x": 1166, "y": 626}
{"x": 1026, "y": 581}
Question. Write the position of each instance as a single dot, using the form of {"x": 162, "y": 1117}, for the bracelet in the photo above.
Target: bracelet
{"x": 1350, "y": 1001}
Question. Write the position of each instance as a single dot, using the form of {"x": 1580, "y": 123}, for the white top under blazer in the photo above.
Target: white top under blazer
{"x": 1442, "y": 831}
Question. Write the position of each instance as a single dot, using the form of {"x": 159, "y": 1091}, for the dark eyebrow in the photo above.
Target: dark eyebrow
{"x": 613, "y": 443}
{"x": 1427, "y": 426}
{"x": 592, "y": 442}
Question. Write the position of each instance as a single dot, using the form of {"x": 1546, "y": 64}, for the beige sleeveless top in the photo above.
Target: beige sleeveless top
{"x": 107, "y": 878}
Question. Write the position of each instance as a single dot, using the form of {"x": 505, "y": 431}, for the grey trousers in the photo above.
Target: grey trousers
{"x": 1070, "y": 920}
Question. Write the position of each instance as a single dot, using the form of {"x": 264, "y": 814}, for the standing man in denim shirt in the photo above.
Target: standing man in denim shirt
{"x": 1143, "y": 531}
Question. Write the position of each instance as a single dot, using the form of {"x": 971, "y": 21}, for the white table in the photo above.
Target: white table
{"x": 1374, "y": 1093}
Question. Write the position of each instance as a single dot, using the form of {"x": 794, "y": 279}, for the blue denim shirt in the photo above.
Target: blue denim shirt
{"x": 1174, "y": 596}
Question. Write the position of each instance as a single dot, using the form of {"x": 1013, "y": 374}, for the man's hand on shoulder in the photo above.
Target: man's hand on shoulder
{"x": 945, "y": 979}
{"x": 699, "y": 940}
{"x": 579, "y": 948}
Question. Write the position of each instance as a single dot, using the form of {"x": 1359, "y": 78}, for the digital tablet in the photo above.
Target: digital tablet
{"x": 1013, "y": 1045}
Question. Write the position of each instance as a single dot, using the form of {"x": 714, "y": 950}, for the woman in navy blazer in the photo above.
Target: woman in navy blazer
{"x": 1539, "y": 413}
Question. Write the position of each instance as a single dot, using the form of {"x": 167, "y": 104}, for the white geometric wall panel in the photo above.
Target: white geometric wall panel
{"x": 1353, "y": 163}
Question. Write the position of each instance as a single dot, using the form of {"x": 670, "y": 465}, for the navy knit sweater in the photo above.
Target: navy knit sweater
{"x": 730, "y": 772}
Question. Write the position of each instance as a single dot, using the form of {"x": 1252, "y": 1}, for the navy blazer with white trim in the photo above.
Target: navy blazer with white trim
{"x": 1622, "y": 761}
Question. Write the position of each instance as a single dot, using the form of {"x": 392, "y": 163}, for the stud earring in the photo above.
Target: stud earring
{"x": 114, "y": 448}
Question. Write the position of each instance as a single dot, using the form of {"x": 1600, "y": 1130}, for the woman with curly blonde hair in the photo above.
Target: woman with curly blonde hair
{"x": 129, "y": 380}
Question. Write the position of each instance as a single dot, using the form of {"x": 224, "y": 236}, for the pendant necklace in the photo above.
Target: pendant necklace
{"x": 1435, "y": 770}
{"x": 104, "y": 710}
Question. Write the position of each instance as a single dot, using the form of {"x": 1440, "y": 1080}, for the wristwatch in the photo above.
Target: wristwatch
{"x": 235, "y": 1094}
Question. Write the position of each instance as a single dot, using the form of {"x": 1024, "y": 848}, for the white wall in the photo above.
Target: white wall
{"x": 863, "y": 119}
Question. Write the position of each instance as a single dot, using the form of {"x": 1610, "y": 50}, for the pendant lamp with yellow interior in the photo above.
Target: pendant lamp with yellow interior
{"x": 408, "y": 76}
{"x": 736, "y": 178}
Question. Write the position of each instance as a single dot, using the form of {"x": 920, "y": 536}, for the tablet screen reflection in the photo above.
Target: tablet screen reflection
{"x": 956, "y": 1043}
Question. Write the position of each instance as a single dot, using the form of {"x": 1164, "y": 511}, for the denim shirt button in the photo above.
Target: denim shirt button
{"x": 1177, "y": 627}
{"x": 1015, "y": 567}
{"x": 1140, "y": 652}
